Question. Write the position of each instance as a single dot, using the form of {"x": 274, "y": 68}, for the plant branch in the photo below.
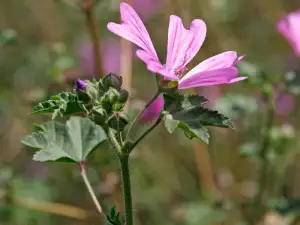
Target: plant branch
{"x": 146, "y": 133}
{"x": 141, "y": 113}
{"x": 88, "y": 9}
{"x": 89, "y": 187}
{"x": 124, "y": 161}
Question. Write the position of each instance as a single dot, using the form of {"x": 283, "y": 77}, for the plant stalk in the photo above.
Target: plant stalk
{"x": 89, "y": 187}
{"x": 124, "y": 161}
{"x": 146, "y": 133}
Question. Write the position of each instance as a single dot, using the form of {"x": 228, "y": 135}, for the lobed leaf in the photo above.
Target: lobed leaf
{"x": 188, "y": 114}
{"x": 71, "y": 142}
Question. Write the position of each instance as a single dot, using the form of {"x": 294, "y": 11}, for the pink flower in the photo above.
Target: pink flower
{"x": 183, "y": 45}
{"x": 110, "y": 53}
{"x": 153, "y": 111}
{"x": 289, "y": 27}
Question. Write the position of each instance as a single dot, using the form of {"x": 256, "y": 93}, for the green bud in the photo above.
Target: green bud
{"x": 112, "y": 80}
{"x": 98, "y": 115}
{"x": 105, "y": 103}
{"x": 118, "y": 121}
{"x": 113, "y": 95}
{"x": 92, "y": 91}
{"x": 83, "y": 96}
{"x": 123, "y": 97}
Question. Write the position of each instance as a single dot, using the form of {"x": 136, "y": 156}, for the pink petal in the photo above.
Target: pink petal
{"x": 209, "y": 77}
{"x": 237, "y": 79}
{"x": 191, "y": 43}
{"x": 133, "y": 29}
{"x": 176, "y": 33}
{"x": 155, "y": 66}
{"x": 289, "y": 28}
{"x": 294, "y": 27}
{"x": 183, "y": 44}
{"x": 223, "y": 60}
{"x": 240, "y": 58}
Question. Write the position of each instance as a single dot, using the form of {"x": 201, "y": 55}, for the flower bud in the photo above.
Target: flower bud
{"x": 113, "y": 95}
{"x": 123, "y": 96}
{"x": 81, "y": 85}
{"x": 98, "y": 115}
{"x": 118, "y": 121}
{"x": 112, "y": 80}
{"x": 92, "y": 91}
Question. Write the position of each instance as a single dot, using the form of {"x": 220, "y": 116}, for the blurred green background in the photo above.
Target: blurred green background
{"x": 45, "y": 46}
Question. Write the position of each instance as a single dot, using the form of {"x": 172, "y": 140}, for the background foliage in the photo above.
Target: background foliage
{"x": 44, "y": 46}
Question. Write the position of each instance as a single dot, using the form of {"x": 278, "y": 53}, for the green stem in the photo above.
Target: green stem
{"x": 89, "y": 187}
{"x": 123, "y": 157}
{"x": 259, "y": 198}
{"x": 126, "y": 188}
{"x": 113, "y": 141}
{"x": 146, "y": 133}
{"x": 141, "y": 112}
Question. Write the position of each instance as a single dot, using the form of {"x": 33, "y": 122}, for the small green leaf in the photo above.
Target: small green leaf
{"x": 65, "y": 103}
{"x": 188, "y": 114}
{"x": 72, "y": 141}
{"x": 113, "y": 217}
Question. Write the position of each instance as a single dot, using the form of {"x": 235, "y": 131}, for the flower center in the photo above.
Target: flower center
{"x": 179, "y": 72}
{"x": 173, "y": 84}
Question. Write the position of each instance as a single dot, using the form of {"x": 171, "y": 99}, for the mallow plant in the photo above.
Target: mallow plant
{"x": 94, "y": 109}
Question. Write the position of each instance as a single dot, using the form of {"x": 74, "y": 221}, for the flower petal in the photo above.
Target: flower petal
{"x": 176, "y": 33}
{"x": 209, "y": 77}
{"x": 155, "y": 66}
{"x": 223, "y": 60}
{"x": 133, "y": 29}
{"x": 237, "y": 79}
{"x": 183, "y": 44}
{"x": 191, "y": 43}
{"x": 289, "y": 28}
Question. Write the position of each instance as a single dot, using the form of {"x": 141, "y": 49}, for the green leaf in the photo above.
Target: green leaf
{"x": 72, "y": 141}
{"x": 113, "y": 217}
{"x": 188, "y": 114}
{"x": 65, "y": 103}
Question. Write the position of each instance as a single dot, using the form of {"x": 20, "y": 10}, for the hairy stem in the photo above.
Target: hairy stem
{"x": 141, "y": 113}
{"x": 88, "y": 9}
{"x": 89, "y": 187}
{"x": 126, "y": 188}
{"x": 263, "y": 153}
{"x": 123, "y": 158}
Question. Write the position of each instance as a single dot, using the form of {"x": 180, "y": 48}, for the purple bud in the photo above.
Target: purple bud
{"x": 81, "y": 85}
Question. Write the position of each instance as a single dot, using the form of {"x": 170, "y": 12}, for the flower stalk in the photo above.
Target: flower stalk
{"x": 89, "y": 187}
